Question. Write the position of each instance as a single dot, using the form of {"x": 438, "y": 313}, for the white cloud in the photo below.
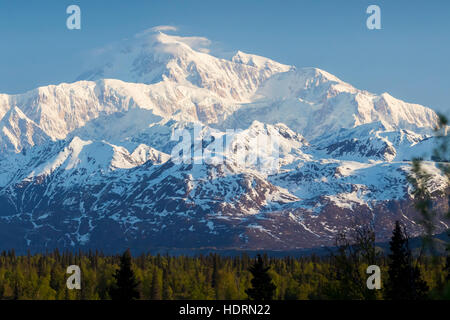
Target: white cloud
{"x": 164, "y": 28}
{"x": 156, "y": 30}
{"x": 197, "y": 43}
{"x": 201, "y": 44}
{"x": 108, "y": 54}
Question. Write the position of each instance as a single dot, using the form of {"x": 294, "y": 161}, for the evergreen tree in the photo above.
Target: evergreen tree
{"x": 156, "y": 287}
{"x": 55, "y": 279}
{"x": 167, "y": 289}
{"x": 16, "y": 294}
{"x": 126, "y": 283}
{"x": 262, "y": 286}
{"x": 447, "y": 269}
{"x": 404, "y": 281}
{"x": 215, "y": 273}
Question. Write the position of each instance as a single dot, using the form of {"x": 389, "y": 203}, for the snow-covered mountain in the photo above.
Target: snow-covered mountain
{"x": 278, "y": 157}
{"x": 314, "y": 102}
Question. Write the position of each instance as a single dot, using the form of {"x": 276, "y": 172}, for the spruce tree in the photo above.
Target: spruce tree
{"x": 167, "y": 293}
{"x": 447, "y": 269}
{"x": 262, "y": 285}
{"x": 156, "y": 287}
{"x": 55, "y": 282}
{"x": 126, "y": 283}
{"x": 215, "y": 273}
{"x": 404, "y": 279}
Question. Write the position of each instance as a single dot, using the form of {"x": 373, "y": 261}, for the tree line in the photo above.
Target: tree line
{"x": 338, "y": 275}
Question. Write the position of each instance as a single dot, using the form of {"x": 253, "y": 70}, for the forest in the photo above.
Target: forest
{"x": 338, "y": 275}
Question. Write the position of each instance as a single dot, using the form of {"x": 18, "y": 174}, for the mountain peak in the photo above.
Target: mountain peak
{"x": 316, "y": 72}
{"x": 258, "y": 61}
{"x": 155, "y": 55}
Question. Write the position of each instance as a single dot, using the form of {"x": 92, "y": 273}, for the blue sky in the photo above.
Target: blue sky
{"x": 409, "y": 57}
